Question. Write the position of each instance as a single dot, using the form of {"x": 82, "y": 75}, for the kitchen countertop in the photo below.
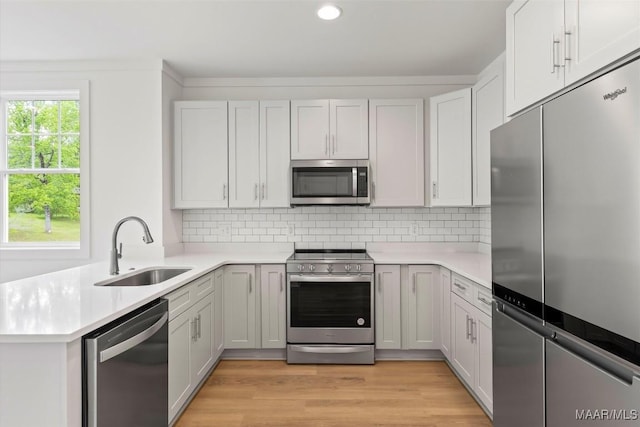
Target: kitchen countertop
{"x": 65, "y": 305}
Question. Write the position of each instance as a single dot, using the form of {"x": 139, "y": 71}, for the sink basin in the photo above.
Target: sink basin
{"x": 145, "y": 277}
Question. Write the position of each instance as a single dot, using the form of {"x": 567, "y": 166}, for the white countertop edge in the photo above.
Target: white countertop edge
{"x": 472, "y": 265}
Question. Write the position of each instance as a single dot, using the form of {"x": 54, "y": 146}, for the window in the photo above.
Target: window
{"x": 42, "y": 159}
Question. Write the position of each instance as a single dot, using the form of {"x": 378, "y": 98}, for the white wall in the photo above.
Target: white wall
{"x": 126, "y": 137}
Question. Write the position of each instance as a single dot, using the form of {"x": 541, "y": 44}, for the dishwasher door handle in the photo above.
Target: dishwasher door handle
{"x": 120, "y": 348}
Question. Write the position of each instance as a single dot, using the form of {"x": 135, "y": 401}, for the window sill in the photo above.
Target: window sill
{"x": 32, "y": 252}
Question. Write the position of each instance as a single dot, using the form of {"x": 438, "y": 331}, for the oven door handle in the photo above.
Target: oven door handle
{"x": 329, "y": 349}
{"x": 331, "y": 278}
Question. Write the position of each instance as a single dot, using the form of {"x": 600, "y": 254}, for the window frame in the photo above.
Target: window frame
{"x": 47, "y": 91}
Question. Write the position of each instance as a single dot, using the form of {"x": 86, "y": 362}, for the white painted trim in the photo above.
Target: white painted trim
{"x": 74, "y": 66}
{"x": 192, "y": 82}
{"x": 171, "y": 73}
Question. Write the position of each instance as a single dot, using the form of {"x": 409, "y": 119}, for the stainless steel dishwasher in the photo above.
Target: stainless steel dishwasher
{"x": 125, "y": 370}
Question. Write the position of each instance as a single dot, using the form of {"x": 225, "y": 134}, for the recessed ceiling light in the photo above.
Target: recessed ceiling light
{"x": 329, "y": 12}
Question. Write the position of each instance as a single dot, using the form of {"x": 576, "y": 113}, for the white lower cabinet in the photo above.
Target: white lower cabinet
{"x": 407, "y": 314}
{"x": 218, "y": 312}
{"x": 255, "y": 306}
{"x": 471, "y": 342}
{"x": 445, "y": 312}
{"x": 240, "y": 304}
{"x": 274, "y": 306}
{"x": 387, "y": 306}
{"x": 192, "y": 328}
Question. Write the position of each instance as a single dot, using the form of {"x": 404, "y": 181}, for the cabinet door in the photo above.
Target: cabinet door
{"x": 445, "y": 313}
{"x": 484, "y": 359}
{"x": 396, "y": 137}
{"x": 600, "y": 32}
{"x": 200, "y": 154}
{"x": 462, "y": 348}
{"x": 202, "y": 354}
{"x": 349, "y": 128}
{"x": 274, "y": 306}
{"x": 422, "y": 326}
{"x": 275, "y": 143}
{"x": 387, "y": 304}
{"x": 310, "y": 129}
{"x": 535, "y": 41}
{"x": 451, "y": 149}
{"x": 244, "y": 154}
{"x": 181, "y": 383}
{"x": 218, "y": 312}
{"x": 240, "y": 307}
{"x": 488, "y": 113}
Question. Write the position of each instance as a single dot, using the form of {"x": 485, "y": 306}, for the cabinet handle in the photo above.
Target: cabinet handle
{"x": 468, "y": 328}
{"x": 199, "y": 323}
{"x": 255, "y": 192}
{"x": 333, "y": 144}
{"x": 414, "y": 283}
{"x": 262, "y": 192}
{"x": 281, "y": 283}
{"x": 474, "y": 336}
{"x": 435, "y": 187}
{"x": 373, "y": 190}
{"x": 459, "y": 286}
{"x": 326, "y": 145}
{"x": 194, "y": 333}
{"x": 250, "y": 288}
{"x": 484, "y": 300}
{"x": 224, "y": 191}
{"x": 379, "y": 283}
{"x": 567, "y": 52}
{"x": 555, "y": 45}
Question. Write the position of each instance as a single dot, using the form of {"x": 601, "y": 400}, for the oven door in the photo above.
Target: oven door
{"x": 334, "y": 309}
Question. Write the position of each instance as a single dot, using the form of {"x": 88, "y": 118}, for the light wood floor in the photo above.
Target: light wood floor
{"x": 272, "y": 393}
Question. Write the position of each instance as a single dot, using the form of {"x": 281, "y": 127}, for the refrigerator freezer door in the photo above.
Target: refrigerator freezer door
{"x": 592, "y": 202}
{"x": 516, "y": 205}
{"x": 581, "y": 394}
{"x": 518, "y": 373}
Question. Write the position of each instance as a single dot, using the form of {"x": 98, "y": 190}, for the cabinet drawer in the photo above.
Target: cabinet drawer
{"x": 179, "y": 300}
{"x": 202, "y": 287}
{"x": 463, "y": 287}
{"x": 483, "y": 300}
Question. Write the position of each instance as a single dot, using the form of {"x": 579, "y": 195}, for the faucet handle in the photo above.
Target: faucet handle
{"x": 119, "y": 253}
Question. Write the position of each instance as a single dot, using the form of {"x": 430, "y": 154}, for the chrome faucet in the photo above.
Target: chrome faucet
{"x": 115, "y": 254}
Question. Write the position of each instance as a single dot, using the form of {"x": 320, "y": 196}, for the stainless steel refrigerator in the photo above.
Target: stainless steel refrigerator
{"x": 566, "y": 258}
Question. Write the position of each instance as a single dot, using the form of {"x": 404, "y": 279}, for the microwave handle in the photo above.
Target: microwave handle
{"x": 354, "y": 187}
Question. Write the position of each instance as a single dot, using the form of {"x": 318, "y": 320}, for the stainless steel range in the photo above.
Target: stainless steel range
{"x": 330, "y": 307}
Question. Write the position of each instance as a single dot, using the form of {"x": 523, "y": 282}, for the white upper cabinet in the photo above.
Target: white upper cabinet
{"x": 600, "y": 32}
{"x": 396, "y": 152}
{"x": 451, "y": 149}
{"x": 258, "y": 154}
{"x": 244, "y": 154}
{"x": 200, "y": 154}
{"x": 274, "y": 154}
{"x": 553, "y": 43}
{"x": 488, "y": 113}
{"x": 329, "y": 129}
{"x": 534, "y": 35}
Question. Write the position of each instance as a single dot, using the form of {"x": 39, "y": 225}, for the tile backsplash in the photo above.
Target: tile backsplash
{"x": 337, "y": 226}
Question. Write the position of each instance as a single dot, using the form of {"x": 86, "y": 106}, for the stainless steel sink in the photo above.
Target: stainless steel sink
{"x": 147, "y": 276}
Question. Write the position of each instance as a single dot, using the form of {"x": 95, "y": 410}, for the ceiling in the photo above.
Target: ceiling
{"x": 261, "y": 38}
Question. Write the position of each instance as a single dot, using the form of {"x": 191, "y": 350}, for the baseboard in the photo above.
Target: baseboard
{"x": 255, "y": 354}
{"x": 409, "y": 355}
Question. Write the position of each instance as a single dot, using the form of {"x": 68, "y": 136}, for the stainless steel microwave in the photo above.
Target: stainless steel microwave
{"x": 330, "y": 182}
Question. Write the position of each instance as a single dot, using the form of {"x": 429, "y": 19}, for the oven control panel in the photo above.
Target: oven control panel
{"x": 330, "y": 268}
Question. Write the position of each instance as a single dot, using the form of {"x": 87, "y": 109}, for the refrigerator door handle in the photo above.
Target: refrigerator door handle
{"x": 599, "y": 360}
{"x": 518, "y": 316}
